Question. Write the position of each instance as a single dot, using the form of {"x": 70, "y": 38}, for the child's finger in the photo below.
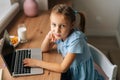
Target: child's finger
{"x": 53, "y": 38}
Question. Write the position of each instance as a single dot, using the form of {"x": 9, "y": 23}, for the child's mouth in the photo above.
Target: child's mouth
{"x": 57, "y": 35}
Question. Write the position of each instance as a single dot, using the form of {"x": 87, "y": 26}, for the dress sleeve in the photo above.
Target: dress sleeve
{"x": 76, "y": 46}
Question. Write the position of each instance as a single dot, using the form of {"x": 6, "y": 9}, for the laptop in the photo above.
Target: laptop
{"x": 14, "y": 58}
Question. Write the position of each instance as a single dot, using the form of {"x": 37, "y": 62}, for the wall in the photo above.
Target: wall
{"x": 102, "y": 16}
{"x": 43, "y": 4}
{"x": 13, "y": 1}
{"x": 118, "y": 32}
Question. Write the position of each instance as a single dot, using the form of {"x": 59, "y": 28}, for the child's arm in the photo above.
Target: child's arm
{"x": 48, "y": 42}
{"x": 52, "y": 66}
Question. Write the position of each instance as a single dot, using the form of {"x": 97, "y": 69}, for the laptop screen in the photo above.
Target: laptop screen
{"x": 7, "y": 50}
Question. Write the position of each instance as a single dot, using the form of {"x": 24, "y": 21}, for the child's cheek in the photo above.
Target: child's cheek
{"x": 52, "y": 30}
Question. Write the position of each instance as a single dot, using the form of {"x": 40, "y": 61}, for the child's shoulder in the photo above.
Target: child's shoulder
{"x": 77, "y": 34}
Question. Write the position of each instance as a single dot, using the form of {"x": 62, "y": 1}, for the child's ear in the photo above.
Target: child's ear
{"x": 73, "y": 23}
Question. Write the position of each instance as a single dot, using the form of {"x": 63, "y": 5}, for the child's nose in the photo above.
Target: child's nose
{"x": 57, "y": 30}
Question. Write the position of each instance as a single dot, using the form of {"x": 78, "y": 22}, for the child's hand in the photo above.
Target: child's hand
{"x": 30, "y": 62}
{"x": 51, "y": 36}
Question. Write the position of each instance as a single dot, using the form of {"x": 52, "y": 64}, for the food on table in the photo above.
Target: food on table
{"x": 14, "y": 39}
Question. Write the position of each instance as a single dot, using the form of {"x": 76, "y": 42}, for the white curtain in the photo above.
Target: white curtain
{"x": 7, "y": 12}
{"x": 4, "y": 6}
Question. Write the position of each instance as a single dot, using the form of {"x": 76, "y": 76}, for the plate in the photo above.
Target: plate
{"x": 14, "y": 40}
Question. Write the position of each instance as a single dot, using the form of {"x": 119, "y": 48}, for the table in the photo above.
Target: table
{"x": 37, "y": 28}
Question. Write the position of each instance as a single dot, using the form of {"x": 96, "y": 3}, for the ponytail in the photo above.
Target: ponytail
{"x": 81, "y": 26}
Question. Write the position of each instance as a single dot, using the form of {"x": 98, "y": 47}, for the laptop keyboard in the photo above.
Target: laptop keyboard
{"x": 19, "y": 67}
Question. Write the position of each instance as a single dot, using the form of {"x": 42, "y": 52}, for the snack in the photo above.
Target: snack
{"x": 14, "y": 39}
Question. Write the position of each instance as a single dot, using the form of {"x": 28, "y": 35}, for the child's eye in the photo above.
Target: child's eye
{"x": 54, "y": 25}
{"x": 62, "y": 26}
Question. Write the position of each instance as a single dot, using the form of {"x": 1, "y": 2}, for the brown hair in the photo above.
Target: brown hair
{"x": 70, "y": 14}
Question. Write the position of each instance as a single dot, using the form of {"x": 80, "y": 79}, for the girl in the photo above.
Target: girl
{"x": 71, "y": 43}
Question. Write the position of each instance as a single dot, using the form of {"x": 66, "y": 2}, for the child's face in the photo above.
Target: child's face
{"x": 60, "y": 26}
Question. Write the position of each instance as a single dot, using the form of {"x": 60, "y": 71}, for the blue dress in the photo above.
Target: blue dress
{"x": 82, "y": 67}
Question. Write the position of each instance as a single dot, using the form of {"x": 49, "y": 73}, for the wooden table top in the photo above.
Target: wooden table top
{"x": 37, "y": 28}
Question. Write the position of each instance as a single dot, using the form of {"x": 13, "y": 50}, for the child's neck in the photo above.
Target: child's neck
{"x": 68, "y": 35}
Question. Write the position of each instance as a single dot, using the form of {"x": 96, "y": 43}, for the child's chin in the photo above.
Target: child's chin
{"x": 58, "y": 38}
